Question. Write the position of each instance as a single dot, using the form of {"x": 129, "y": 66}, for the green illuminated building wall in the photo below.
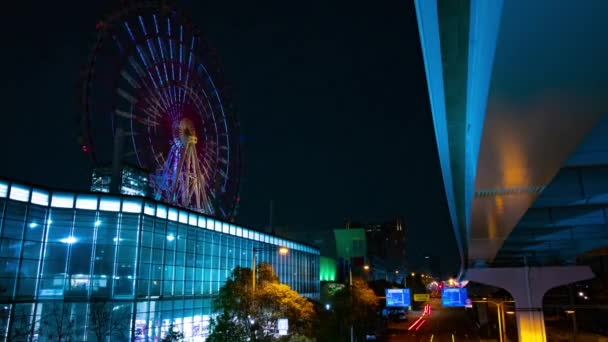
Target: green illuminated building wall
{"x": 327, "y": 269}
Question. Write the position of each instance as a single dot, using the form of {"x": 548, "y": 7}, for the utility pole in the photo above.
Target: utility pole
{"x": 270, "y": 227}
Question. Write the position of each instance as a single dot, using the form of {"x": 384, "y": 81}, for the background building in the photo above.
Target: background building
{"x": 132, "y": 181}
{"x": 376, "y": 251}
{"x": 386, "y": 249}
{"x": 75, "y": 264}
{"x": 351, "y": 251}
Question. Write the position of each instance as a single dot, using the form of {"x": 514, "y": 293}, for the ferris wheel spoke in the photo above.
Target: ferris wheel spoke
{"x": 125, "y": 95}
{"x": 129, "y": 79}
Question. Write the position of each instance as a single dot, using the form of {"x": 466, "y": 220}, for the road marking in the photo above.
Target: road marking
{"x": 453, "y": 338}
{"x": 432, "y": 335}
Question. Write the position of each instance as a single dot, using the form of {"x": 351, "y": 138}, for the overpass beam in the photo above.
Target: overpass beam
{"x": 528, "y": 286}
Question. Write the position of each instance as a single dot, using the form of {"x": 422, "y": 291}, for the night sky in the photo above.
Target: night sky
{"x": 331, "y": 96}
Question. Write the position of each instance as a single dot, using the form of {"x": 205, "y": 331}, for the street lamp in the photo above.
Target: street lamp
{"x": 282, "y": 251}
{"x": 500, "y": 309}
{"x": 366, "y": 267}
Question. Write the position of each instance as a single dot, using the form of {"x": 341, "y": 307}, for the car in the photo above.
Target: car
{"x": 395, "y": 314}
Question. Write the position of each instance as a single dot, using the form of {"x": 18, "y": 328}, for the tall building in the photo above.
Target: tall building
{"x": 386, "y": 249}
{"x": 131, "y": 266}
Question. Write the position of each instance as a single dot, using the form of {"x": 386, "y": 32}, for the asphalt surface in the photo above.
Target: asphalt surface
{"x": 434, "y": 324}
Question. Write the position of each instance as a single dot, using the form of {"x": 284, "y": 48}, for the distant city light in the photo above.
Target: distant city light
{"x": 586, "y": 297}
{"x": 97, "y": 223}
{"x": 69, "y": 240}
{"x": 49, "y": 221}
{"x": 580, "y": 294}
{"x": 510, "y": 312}
{"x": 569, "y": 312}
{"x": 413, "y": 274}
{"x": 327, "y": 306}
{"x": 366, "y": 267}
{"x": 283, "y": 250}
{"x": 396, "y": 271}
{"x": 170, "y": 237}
{"x": 33, "y": 225}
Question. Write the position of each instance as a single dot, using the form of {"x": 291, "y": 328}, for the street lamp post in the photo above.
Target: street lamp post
{"x": 282, "y": 251}
{"x": 501, "y": 317}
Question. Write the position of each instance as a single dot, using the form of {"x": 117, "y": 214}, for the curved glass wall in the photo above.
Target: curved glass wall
{"x": 91, "y": 267}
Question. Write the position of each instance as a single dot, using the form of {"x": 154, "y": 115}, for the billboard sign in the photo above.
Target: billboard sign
{"x": 397, "y": 297}
{"x": 454, "y": 297}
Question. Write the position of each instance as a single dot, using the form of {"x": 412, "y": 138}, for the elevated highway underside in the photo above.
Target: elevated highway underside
{"x": 515, "y": 86}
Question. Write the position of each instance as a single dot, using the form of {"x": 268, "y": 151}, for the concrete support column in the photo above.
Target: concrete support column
{"x": 528, "y": 285}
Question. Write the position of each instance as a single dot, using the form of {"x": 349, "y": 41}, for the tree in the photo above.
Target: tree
{"x": 256, "y": 313}
{"x": 173, "y": 335}
{"x": 236, "y": 297}
{"x": 276, "y": 301}
{"x": 22, "y": 324}
{"x": 106, "y": 322}
{"x": 227, "y": 329}
{"x": 57, "y": 324}
{"x": 355, "y": 306}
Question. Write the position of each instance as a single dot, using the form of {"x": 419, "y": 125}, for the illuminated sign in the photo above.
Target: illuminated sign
{"x": 454, "y": 297}
{"x": 283, "y": 325}
{"x": 421, "y": 297}
{"x": 397, "y": 297}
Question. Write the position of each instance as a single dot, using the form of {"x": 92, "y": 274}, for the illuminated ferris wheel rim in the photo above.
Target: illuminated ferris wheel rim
{"x": 167, "y": 96}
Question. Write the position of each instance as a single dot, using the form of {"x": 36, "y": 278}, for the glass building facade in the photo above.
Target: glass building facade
{"x": 94, "y": 267}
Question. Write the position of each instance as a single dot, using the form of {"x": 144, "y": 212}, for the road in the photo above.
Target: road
{"x": 434, "y": 324}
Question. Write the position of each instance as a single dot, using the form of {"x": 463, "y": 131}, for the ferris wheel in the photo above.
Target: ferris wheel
{"x": 153, "y": 85}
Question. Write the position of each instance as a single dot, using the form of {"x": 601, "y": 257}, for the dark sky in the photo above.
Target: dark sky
{"x": 331, "y": 96}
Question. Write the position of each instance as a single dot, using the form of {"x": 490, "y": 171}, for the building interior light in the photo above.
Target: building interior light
{"x": 170, "y": 237}
{"x": 97, "y": 223}
{"x": 33, "y": 225}
{"x": 69, "y": 240}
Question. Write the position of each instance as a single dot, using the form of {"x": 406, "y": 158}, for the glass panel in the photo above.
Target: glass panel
{"x": 3, "y": 189}
{"x": 192, "y": 220}
{"x": 149, "y": 209}
{"x": 60, "y": 200}
{"x": 202, "y": 221}
{"x": 131, "y": 206}
{"x": 183, "y": 216}
{"x": 103, "y": 262}
{"x": 20, "y": 193}
{"x": 40, "y": 197}
{"x": 109, "y": 204}
{"x": 86, "y": 202}
{"x": 161, "y": 211}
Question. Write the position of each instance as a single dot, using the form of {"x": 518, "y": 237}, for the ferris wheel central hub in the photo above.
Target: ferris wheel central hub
{"x": 185, "y": 133}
